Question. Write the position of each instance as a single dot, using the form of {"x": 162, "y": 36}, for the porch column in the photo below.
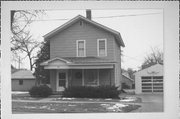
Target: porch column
{"x": 82, "y": 77}
{"x": 98, "y": 77}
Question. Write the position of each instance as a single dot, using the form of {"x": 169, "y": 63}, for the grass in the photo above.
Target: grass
{"x": 30, "y": 107}
{"x": 23, "y": 97}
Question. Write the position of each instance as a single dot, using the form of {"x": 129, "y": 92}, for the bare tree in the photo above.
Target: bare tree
{"x": 153, "y": 58}
{"x": 22, "y": 41}
{"x": 26, "y": 44}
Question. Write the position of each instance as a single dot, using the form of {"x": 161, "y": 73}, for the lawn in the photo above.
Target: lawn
{"x": 30, "y": 107}
{"x": 25, "y": 96}
{"x": 24, "y": 103}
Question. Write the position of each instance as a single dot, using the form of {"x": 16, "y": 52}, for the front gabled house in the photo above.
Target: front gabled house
{"x": 84, "y": 53}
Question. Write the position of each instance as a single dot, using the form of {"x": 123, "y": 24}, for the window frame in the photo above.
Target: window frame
{"x": 85, "y": 78}
{"x": 21, "y": 82}
{"x": 77, "y": 48}
{"x": 98, "y": 40}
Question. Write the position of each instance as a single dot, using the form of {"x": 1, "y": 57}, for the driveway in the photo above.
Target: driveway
{"x": 151, "y": 103}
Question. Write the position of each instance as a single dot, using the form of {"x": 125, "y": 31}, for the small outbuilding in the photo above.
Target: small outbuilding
{"x": 22, "y": 80}
{"x": 149, "y": 80}
{"x": 127, "y": 82}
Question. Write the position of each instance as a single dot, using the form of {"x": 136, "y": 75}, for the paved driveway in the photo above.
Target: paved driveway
{"x": 151, "y": 103}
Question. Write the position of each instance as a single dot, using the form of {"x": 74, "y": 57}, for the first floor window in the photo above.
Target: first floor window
{"x": 91, "y": 77}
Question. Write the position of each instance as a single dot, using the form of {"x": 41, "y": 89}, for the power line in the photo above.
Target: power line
{"x": 133, "y": 58}
{"x": 130, "y": 15}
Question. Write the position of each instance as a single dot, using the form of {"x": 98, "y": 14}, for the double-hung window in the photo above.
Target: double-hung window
{"x": 102, "y": 47}
{"x": 81, "y": 50}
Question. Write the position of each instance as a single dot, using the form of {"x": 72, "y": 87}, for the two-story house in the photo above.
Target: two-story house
{"x": 84, "y": 53}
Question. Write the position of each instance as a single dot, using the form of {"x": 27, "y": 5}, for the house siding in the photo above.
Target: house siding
{"x": 53, "y": 79}
{"x": 64, "y": 43}
{"x": 118, "y": 74}
{"x": 27, "y": 84}
{"x": 127, "y": 81}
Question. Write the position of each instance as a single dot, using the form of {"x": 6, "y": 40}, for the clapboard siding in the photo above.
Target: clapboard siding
{"x": 63, "y": 44}
{"x": 26, "y": 86}
{"x": 117, "y": 54}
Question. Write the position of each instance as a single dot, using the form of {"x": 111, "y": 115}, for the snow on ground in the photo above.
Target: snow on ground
{"x": 128, "y": 99}
{"x": 19, "y": 92}
{"x": 116, "y": 107}
{"x": 71, "y": 105}
{"x": 67, "y": 98}
{"x": 30, "y": 107}
{"x": 108, "y": 99}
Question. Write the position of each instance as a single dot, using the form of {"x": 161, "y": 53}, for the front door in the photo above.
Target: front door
{"x": 61, "y": 80}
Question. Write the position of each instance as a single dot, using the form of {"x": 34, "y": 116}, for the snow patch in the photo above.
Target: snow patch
{"x": 71, "y": 105}
{"x": 19, "y": 92}
{"x": 66, "y": 98}
{"x": 105, "y": 104}
{"x": 29, "y": 107}
{"x": 128, "y": 99}
{"x": 108, "y": 99}
{"x": 117, "y": 107}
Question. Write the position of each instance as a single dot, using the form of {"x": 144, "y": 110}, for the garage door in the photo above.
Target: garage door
{"x": 152, "y": 83}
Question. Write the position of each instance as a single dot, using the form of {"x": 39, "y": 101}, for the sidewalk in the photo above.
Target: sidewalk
{"x": 50, "y": 100}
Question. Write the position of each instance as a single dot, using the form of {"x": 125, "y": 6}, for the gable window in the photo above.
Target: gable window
{"x": 102, "y": 47}
{"x": 20, "y": 82}
{"x": 80, "y": 44}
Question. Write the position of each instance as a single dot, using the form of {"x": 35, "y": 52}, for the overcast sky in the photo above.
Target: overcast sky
{"x": 141, "y": 29}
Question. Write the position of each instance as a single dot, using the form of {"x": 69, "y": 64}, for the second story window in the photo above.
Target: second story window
{"x": 80, "y": 44}
{"x": 101, "y": 47}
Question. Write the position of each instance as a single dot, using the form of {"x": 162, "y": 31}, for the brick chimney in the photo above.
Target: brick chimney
{"x": 88, "y": 14}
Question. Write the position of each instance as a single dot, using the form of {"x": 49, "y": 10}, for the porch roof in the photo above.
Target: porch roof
{"x": 78, "y": 63}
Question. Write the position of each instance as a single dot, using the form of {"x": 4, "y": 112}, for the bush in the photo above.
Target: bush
{"x": 40, "y": 91}
{"x": 125, "y": 86}
{"x": 92, "y": 92}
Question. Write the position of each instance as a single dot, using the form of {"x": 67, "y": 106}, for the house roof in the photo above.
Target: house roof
{"x": 22, "y": 74}
{"x": 79, "y": 60}
{"x": 158, "y": 64}
{"x": 79, "y": 17}
{"x": 127, "y": 77}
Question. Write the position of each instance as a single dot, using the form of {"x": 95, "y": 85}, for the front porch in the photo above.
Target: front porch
{"x": 80, "y": 71}
{"x": 64, "y": 78}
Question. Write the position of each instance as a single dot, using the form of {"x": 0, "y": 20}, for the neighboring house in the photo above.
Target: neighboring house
{"x": 84, "y": 53}
{"x": 149, "y": 80}
{"x": 22, "y": 80}
{"x": 127, "y": 82}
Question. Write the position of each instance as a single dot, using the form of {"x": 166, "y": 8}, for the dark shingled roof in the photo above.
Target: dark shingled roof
{"x": 84, "y": 60}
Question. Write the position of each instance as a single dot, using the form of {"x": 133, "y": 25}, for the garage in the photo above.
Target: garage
{"x": 149, "y": 80}
{"x": 152, "y": 83}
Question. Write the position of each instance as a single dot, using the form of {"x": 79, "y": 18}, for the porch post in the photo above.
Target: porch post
{"x": 110, "y": 76}
{"x": 71, "y": 78}
{"x": 98, "y": 76}
{"x": 82, "y": 77}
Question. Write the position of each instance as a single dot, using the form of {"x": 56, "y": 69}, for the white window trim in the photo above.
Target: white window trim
{"x": 105, "y": 47}
{"x": 77, "y": 48}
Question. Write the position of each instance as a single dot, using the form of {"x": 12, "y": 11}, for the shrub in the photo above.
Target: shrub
{"x": 40, "y": 91}
{"x": 125, "y": 86}
{"x": 92, "y": 92}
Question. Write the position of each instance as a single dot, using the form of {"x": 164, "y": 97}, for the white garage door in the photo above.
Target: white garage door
{"x": 152, "y": 83}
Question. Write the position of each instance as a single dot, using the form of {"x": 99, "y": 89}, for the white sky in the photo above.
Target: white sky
{"x": 140, "y": 33}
